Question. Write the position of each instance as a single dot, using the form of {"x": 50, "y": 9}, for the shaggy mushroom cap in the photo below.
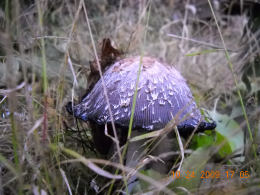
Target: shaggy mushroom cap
{"x": 162, "y": 94}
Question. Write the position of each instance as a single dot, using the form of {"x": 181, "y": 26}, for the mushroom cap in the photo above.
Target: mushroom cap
{"x": 162, "y": 95}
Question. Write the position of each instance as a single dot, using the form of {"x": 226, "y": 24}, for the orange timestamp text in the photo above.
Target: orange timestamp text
{"x": 210, "y": 174}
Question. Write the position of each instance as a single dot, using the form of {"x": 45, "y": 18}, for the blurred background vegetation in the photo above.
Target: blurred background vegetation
{"x": 45, "y": 49}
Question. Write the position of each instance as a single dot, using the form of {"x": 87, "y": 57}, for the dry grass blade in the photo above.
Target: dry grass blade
{"x": 235, "y": 80}
{"x": 66, "y": 181}
{"x": 8, "y": 164}
{"x": 7, "y": 91}
{"x": 147, "y": 135}
{"x": 66, "y": 56}
{"x": 181, "y": 147}
{"x": 92, "y": 163}
{"x": 103, "y": 83}
{"x": 88, "y": 163}
{"x": 75, "y": 82}
{"x": 35, "y": 126}
{"x": 196, "y": 41}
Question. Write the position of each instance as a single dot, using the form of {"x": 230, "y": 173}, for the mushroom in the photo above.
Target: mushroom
{"x": 162, "y": 94}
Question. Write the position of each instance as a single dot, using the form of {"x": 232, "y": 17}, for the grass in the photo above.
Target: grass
{"x": 47, "y": 46}
{"x": 235, "y": 80}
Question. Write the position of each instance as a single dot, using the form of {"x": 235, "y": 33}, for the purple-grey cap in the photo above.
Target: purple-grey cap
{"x": 162, "y": 94}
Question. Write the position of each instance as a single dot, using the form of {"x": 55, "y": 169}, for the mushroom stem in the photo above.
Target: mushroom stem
{"x": 135, "y": 152}
{"x": 141, "y": 154}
